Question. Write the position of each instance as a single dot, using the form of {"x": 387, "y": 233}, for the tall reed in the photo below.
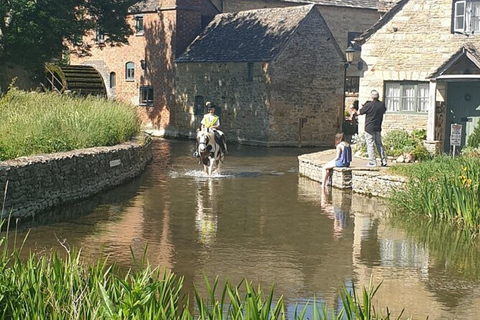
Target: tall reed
{"x": 50, "y": 286}
{"x": 443, "y": 189}
{"x": 35, "y": 123}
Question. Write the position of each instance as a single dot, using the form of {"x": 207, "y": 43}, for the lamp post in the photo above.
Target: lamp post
{"x": 349, "y": 57}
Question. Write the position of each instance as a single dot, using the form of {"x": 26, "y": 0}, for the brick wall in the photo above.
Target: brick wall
{"x": 167, "y": 33}
{"x": 154, "y": 46}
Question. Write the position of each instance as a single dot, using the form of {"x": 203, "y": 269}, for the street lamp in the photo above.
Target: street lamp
{"x": 349, "y": 54}
{"x": 349, "y": 57}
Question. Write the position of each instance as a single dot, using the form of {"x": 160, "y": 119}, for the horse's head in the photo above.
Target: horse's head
{"x": 205, "y": 139}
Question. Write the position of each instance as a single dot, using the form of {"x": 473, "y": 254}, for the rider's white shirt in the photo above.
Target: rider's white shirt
{"x": 208, "y": 118}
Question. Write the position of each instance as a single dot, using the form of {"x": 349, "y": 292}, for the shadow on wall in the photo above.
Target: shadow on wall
{"x": 159, "y": 70}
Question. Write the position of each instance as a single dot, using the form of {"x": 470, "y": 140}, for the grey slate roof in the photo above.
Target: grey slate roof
{"x": 370, "y": 4}
{"x": 467, "y": 49}
{"x": 253, "y": 35}
{"x": 144, "y": 6}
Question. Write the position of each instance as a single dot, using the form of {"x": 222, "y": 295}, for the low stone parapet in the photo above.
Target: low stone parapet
{"x": 358, "y": 177}
{"x": 34, "y": 184}
{"x": 376, "y": 183}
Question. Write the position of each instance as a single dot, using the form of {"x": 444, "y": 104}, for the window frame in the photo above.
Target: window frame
{"x": 130, "y": 72}
{"x": 402, "y": 99}
{"x": 149, "y": 90}
{"x": 464, "y": 11}
{"x": 100, "y": 36}
{"x": 352, "y": 82}
{"x": 113, "y": 80}
{"x": 139, "y": 28}
{"x": 250, "y": 67}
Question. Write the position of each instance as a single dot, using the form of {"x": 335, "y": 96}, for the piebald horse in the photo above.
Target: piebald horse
{"x": 209, "y": 150}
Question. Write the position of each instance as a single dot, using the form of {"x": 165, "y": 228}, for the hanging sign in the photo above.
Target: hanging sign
{"x": 456, "y": 135}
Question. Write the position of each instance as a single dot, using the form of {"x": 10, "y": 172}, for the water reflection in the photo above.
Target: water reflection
{"x": 206, "y": 218}
{"x": 261, "y": 221}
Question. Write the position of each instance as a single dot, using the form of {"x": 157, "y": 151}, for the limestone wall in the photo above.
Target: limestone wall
{"x": 412, "y": 45}
{"x": 34, "y": 184}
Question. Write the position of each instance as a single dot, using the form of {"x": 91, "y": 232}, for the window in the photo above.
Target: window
{"x": 199, "y": 106}
{"x": 100, "y": 36}
{"x": 129, "y": 71}
{"x": 466, "y": 16}
{"x": 352, "y": 84}
{"x": 146, "y": 96}
{"x": 139, "y": 25}
{"x": 407, "y": 96}
{"x": 250, "y": 72}
{"x": 113, "y": 80}
{"x": 351, "y": 36}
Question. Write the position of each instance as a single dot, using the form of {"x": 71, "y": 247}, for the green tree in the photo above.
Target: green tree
{"x": 33, "y": 32}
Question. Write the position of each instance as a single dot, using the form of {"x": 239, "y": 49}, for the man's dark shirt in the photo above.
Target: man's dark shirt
{"x": 373, "y": 111}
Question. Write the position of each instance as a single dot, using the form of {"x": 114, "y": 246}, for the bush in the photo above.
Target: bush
{"x": 474, "y": 139}
{"x": 35, "y": 123}
{"x": 397, "y": 141}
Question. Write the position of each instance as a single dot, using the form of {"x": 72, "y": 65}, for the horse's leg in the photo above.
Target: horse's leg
{"x": 210, "y": 165}
{"x": 219, "y": 165}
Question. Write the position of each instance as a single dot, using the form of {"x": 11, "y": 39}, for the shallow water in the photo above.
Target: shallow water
{"x": 258, "y": 219}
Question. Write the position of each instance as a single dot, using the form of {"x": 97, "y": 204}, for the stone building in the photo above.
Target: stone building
{"x": 423, "y": 58}
{"x": 276, "y": 76}
{"x": 142, "y": 72}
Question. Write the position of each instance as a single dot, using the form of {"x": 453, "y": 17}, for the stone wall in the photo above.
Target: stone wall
{"x": 306, "y": 91}
{"x": 340, "y": 20}
{"x": 242, "y": 104}
{"x": 411, "y": 46}
{"x": 376, "y": 183}
{"x": 294, "y": 100}
{"x": 368, "y": 181}
{"x": 35, "y": 184}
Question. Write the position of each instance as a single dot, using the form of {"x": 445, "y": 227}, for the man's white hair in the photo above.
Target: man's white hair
{"x": 375, "y": 94}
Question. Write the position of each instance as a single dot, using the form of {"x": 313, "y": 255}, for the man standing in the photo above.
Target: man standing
{"x": 374, "y": 111}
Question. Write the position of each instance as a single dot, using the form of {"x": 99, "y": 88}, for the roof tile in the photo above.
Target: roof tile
{"x": 253, "y": 35}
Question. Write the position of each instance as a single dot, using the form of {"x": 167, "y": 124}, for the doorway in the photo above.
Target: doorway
{"x": 463, "y": 107}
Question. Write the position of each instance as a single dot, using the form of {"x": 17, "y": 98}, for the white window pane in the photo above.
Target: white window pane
{"x": 408, "y": 98}
{"x": 459, "y": 21}
{"x": 392, "y": 97}
{"x": 422, "y": 97}
{"x": 475, "y": 18}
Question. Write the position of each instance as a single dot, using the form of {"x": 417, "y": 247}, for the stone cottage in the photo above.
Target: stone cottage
{"x": 276, "y": 76}
{"x": 143, "y": 72}
{"x": 423, "y": 58}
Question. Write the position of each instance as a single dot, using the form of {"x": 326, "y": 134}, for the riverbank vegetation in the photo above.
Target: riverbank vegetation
{"x": 35, "y": 123}
{"x": 54, "y": 286}
{"x": 443, "y": 189}
{"x": 397, "y": 143}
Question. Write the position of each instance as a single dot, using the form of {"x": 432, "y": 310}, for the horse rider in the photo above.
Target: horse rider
{"x": 212, "y": 121}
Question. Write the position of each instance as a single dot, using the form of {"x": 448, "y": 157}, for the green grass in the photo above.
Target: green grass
{"x": 54, "y": 286}
{"x": 443, "y": 189}
{"x": 36, "y": 123}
